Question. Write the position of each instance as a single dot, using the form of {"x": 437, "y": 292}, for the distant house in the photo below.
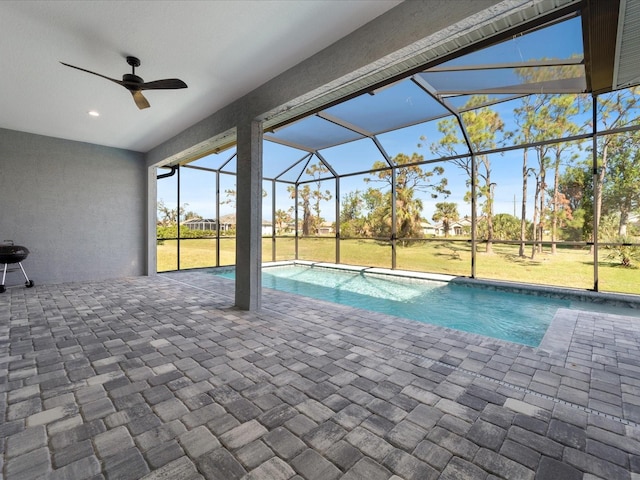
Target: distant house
{"x": 326, "y": 228}
{"x": 287, "y": 228}
{"x": 429, "y": 229}
{"x": 227, "y": 222}
{"x": 267, "y": 228}
{"x": 205, "y": 224}
{"x": 210, "y": 224}
{"x": 459, "y": 228}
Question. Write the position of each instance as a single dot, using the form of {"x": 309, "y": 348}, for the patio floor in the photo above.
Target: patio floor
{"x": 162, "y": 378}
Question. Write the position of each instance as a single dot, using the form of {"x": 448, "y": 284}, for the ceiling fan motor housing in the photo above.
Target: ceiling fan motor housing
{"x": 131, "y": 78}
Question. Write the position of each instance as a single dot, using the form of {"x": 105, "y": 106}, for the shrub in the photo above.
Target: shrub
{"x": 185, "y": 232}
{"x": 627, "y": 254}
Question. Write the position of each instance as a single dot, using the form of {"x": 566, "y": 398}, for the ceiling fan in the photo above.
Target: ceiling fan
{"x": 135, "y": 84}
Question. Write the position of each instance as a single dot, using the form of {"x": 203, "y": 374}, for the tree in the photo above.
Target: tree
{"x": 540, "y": 176}
{"x": 304, "y": 201}
{"x": 614, "y": 110}
{"x": 543, "y": 117}
{"x": 447, "y": 213}
{"x": 282, "y": 219}
{"x": 230, "y": 197}
{"x": 535, "y": 121}
{"x": 575, "y": 186}
{"x": 506, "y": 227}
{"x": 167, "y": 223}
{"x": 378, "y": 208}
{"x": 352, "y": 221}
{"x": 482, "y": 125}
{"x": 523, "y": 116}
{"x": 554, "y": 122}
{"x": 408, "y": 214}
{"x": 560, "y": 214}
{"x": 621, "y": 189}
{"x": 562, "y": 108}
{"x": 169, "y": 216}
{"x": 410, "y": 178}
{"x": 311, "y": 223}
{"x": 318, "y": 195}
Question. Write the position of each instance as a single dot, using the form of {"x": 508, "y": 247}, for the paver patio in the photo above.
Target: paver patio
{"x": 162, "y": 378}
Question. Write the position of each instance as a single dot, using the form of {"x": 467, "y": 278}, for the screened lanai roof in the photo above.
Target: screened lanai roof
{"x": 569, "y": 52}
{"x": 549, "y": 59}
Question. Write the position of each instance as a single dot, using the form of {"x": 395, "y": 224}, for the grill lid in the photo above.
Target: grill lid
{"x": 10, "y": 253}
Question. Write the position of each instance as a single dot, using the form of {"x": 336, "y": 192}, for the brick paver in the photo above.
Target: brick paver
{"x": 162, "y": 377}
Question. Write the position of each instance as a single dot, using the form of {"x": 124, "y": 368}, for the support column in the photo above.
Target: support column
{"x": 596, "y": 189}
{"x": 249, "y": 216}
{"x": 152, "y": 220}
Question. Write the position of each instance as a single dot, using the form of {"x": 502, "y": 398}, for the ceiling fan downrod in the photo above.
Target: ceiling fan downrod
{"x": 132, "y": 77}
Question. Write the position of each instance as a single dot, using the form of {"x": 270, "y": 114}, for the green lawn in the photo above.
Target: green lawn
{"x": 569, "y": 267}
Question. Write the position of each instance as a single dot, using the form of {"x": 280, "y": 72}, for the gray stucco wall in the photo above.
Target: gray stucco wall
{"x": 79, "y": 208}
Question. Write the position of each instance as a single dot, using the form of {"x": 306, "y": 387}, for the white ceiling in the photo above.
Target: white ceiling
{"x": 222, "y": 49}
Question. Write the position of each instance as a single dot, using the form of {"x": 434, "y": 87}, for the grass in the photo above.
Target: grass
{"x": 569, "y": 267}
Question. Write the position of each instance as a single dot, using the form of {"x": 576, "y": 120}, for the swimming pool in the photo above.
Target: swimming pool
{"x": 508, "y": 316}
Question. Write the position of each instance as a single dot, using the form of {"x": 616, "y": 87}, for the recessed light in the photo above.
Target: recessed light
{"x": 93, "y": 113}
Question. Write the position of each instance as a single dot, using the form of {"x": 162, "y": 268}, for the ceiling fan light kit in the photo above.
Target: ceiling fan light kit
{"x": 136, "y": 84}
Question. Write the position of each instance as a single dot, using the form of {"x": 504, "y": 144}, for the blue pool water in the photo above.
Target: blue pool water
{"x": 508, "y": 316}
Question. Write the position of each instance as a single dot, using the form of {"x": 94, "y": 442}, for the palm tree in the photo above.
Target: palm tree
{"x": 410, "y": 177}
{"x": 282, "y": 219}
{"x": 447, "y": 213}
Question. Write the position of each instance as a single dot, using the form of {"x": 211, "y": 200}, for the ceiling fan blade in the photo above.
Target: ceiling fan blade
{"x": 141, "y": 102}
{"x": 119, "y": 82}
{"x": 135, "y": 84}
{"x": 166, "y": 84}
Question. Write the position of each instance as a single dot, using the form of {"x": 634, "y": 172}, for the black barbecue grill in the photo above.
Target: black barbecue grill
{"x": 9, "y": 255}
